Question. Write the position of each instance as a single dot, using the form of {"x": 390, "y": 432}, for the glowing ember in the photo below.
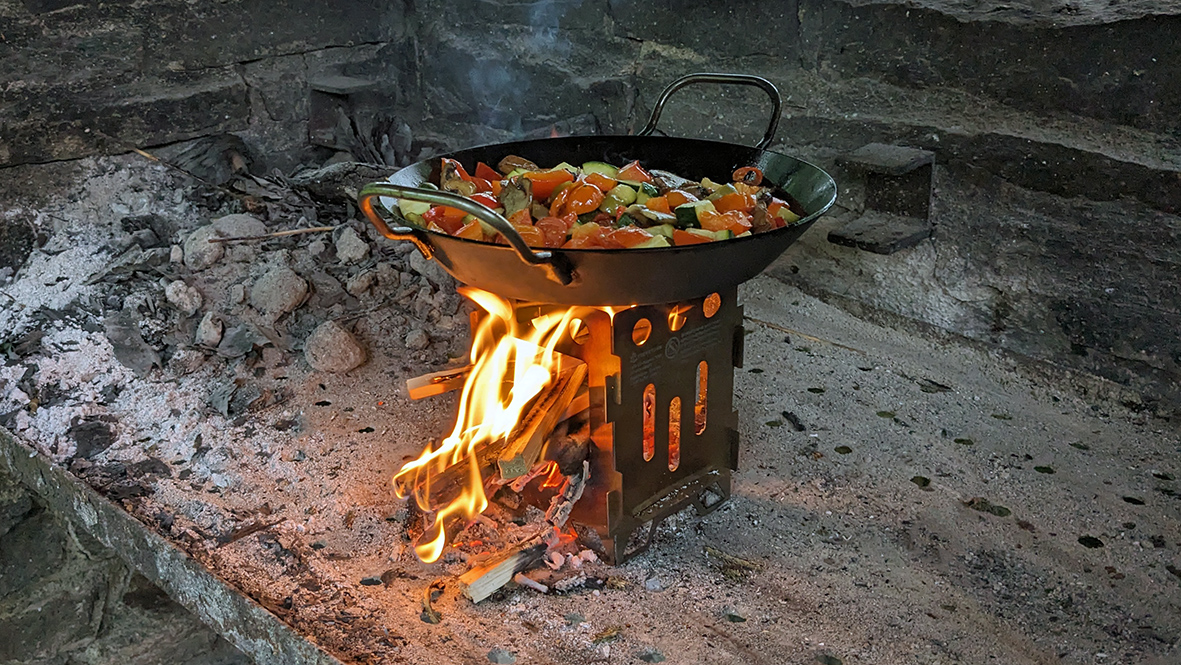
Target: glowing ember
{"x": 512, "y": 363}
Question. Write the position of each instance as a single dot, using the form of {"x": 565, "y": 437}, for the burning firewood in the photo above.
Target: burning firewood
{"x": 525, "y": 445}
{"x": 485, "y": 579}
{"x": 437, "y": 383}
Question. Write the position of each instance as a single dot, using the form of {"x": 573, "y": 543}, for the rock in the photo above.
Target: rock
{"x": 199, "y": 252}
{"x": 371, "y": 581}
{"x": 239, "y": 226}
{"x": 350, "y": 248}
{"x": 278, "y": 291}
{"x": 331, "y": 348}
{"x": 429, "y": 269}
{"x": 237, "y": 294}
{"x": 501, "y": 657}
{"x": 653, "y": 584}
{"x": 317, "y": 247}
{"x": 361, "y": 283}
{"x": 650, "y": 655}
{"x": 209, "y": 331}
{"x": 184, "y": 297}
{"x": 145, "y": 238}
{"x": 176, "y": 254}
{"x": 417, "y": 339}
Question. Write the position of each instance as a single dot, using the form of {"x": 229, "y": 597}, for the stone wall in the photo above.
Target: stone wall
{"x": 1079, "y": 102}
{"x": 65, "y": 598}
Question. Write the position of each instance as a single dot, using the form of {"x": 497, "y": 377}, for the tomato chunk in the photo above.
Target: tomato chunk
{"x": 447, "y": 218}
{"x": 583, "y": 198}
{"x": 629, "y": 236}
{"x": 685, "y": 238}
{"x": 488, "y": 200}
{"x": 544, "y": 182}
{"x": 634, "y": 173}
{"x": 487, "y": 172}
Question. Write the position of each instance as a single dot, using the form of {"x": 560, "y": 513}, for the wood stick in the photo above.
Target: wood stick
{"x": 580, "y": 403}
{"x": 525, "y": 446}
{"x": 437, "y": 383}
{"x": 485, "y": 579}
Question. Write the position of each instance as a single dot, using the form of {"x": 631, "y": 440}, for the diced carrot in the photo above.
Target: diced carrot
{"x": 735, "y": 201}
{"x": 471, "y": 231}
{"x": 629, "y": 236}
{"x": 601, "y": 181}
{"x": 685, "y": 238}
{"x": 544, "y": 182}
{"x": 658, "y": 204}
{"x": 676, "y": 197}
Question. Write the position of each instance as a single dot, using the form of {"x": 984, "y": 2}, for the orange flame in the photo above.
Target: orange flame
{"x": 506, "y": 354}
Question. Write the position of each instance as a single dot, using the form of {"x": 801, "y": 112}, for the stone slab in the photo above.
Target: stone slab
{"x": 243, "y": 623}
{"x": 881, "y": 233}
{"x": 887, "y": 159}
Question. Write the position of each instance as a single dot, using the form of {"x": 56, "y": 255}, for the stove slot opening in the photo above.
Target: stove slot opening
{"x": 642, "y": 331}
{"x": 702, "y": 389}
{"x": 649, "y": 407}
{"x": 674, "y": 434}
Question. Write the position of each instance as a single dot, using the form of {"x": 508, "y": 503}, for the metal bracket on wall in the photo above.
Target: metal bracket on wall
{"x": 898, "y": 185}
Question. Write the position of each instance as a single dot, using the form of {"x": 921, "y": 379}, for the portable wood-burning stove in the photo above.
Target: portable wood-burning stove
{"x": 661, "y": 417}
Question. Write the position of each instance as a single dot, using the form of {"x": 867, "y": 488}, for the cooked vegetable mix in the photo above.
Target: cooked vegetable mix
{"x": 601, "y": 206}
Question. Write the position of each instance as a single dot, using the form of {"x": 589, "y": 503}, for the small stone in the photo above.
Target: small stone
{"x": 331, "y": 348}
{"x": 650, "y": 656}
{"x": 732, "y": 615}
{"x": 176, "y": 254}
{"x": 145, "y": 238}
{"x": 199, "y": 252}
{"x": 501, "y": 657}
{"x": 209, "y": 331}
{"x": 429, "y": 269}
{"x": 417, "y": 339}
{"x": 317, "y": 247}
{"x": 361, "y": 283}
{"x": 183, "y": 297}
{"x": 653, "y": 584}
{"x": 278, "y": 291}
{"x": 371, "y": 581}
{"x": 237, "y": 294}
{"x": 388, "y": 276}
{"x": 350, "y": 248}
{"x": 240, "y": 226}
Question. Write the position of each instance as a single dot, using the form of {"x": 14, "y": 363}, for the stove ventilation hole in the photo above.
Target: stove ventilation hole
{"x": 677, "y": 316}
{"x": 702, "y": 389}
{"x": 713, "y": 302}
{"x": 579, "y": 331}
{"x": 641, "y": 332}
{"x": 674, "y": 434}
{"x": 649, "y": 422}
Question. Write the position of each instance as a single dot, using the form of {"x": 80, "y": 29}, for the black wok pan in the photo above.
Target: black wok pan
{"x": 613, "y": 276}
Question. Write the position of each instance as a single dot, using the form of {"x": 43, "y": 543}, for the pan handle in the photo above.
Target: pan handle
{"x": 556, "y": 267}
{"x": 737, "y": 79}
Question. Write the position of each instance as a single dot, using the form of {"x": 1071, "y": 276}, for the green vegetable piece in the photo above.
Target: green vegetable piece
{"x": 408, "y": 207}
{"x": 665, "y": 230}
{"x": 602, "y": 168}
{"x": 689, "y": 214}
{"x": 721, "y": 191}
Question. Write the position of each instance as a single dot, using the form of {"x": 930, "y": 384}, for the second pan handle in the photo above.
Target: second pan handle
{"x": 736, "y": 79}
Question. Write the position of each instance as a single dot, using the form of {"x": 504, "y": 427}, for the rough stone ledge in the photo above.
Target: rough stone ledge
{"x": 241, "y": 621}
